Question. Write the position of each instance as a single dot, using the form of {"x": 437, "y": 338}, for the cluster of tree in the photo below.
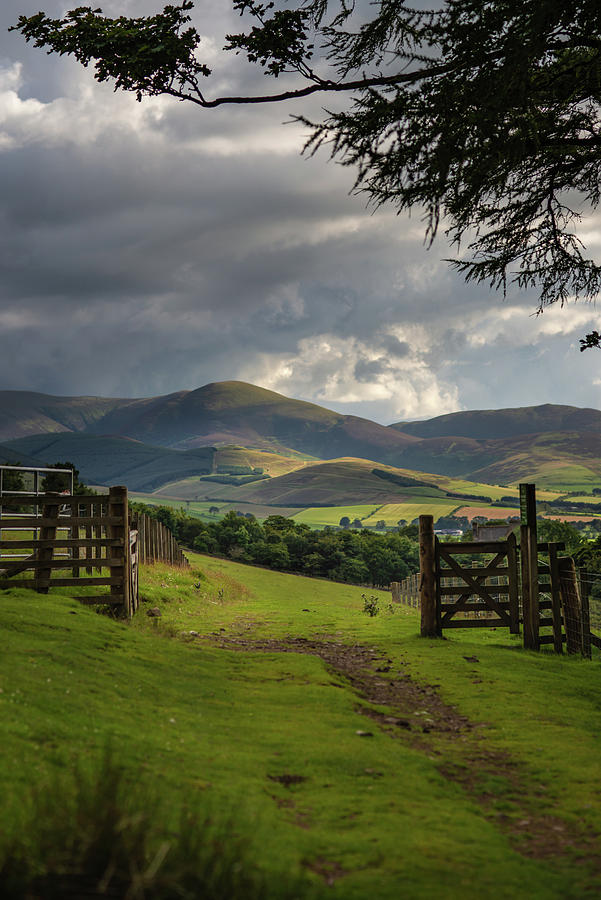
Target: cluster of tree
{"x": 15, "y": 480}
{"x": 61, "y": 481}
{"x": 400, "y": 480}
{"x": 234, "y": 479}
{"x": 356, "y": 557}
{"x": 239, "y": 470}
{"x": 456, "y": 496}
{"x": 567, "y": 505}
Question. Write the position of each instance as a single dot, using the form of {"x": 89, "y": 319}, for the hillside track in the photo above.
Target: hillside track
{"x": 501, "y": 785}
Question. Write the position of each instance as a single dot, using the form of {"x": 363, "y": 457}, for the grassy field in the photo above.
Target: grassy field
{"x": 319, "y": 517}
{"x": 273, "y": 464}
{"x": 566, "y": 477}
{"x": 392, "y": 512}
{"x": 305, "y": 761}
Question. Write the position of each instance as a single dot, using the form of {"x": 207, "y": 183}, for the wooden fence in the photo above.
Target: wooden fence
{"x": 530, "y": 585}
{"x": 406, "y": 591}
{"x": 44, "y": 535}
{"x": 157, "y": 543}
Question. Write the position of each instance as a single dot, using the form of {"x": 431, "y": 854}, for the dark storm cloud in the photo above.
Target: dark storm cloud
{"x": 166, "y": 247}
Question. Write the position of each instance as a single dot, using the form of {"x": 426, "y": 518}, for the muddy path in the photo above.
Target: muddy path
{"x": 507, "y": 793}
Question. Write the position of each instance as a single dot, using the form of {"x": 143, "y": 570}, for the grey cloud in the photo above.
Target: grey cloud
{"x": 396, "y": 348}
{"x": 162, "y": 264}
{"x": 367, "y": 370}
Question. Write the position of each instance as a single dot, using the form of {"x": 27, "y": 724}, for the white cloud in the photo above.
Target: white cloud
{"x": 323, "y": 369}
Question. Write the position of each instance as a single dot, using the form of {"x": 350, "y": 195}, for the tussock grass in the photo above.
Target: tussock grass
{"x": 95, "y": 834}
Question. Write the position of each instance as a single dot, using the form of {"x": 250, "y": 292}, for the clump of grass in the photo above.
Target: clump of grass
{"x": 96, "y": 836}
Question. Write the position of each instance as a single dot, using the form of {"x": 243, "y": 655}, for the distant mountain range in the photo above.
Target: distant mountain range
{"x": 487, "y": 424}
{"x": 148, "y": 442}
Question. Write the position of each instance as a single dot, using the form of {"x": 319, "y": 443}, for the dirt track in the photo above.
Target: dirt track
{"x": 459, "y": 748}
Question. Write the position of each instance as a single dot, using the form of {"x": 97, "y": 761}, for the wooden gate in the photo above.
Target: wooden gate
{"x": 481, "y": 593}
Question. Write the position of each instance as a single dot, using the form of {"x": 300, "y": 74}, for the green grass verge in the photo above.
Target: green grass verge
{"x": 375, "y": 816}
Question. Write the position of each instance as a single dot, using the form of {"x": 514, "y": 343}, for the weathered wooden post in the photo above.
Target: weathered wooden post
{"x": 513, "y": 592}
{"x": 45, "y": 551}
{"x": 570, "y": 602}
{"x": 529, "y": 554}
{"x": 586, "y": 613}
{"x": 555, "y": 597}
{"x": 428, "y": 593}
{"x": 119, "y": 531}
{"x": 395, "y": 590}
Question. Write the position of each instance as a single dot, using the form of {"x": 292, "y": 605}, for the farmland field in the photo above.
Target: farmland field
{"x": 330, "y": 515}
{"x": 273, "y": 464}
{"x": 390, "y": 513}
{"x": 491, "y": 512}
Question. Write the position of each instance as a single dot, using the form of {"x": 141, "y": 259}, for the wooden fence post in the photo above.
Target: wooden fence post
{"x": 555, "y": 597}
{"x": 427, "y": 560}
{"x": 570, "y": 602}
{"x": 45, "y": 554}
{"x": 529, "y": 553}
{"x": 586, "y": 614}
{"x": 395, "y": 590}
{"x": 118, "y": 509}
{"x": 514, "y": 598}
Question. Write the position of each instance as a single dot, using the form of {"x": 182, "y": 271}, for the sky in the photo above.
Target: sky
{"x": 153, "y": 247}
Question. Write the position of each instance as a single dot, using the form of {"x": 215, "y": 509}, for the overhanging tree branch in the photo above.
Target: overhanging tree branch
{"x": 491, "y": 119}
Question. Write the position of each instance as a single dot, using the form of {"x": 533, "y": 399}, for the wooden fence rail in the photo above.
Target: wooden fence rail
{"x": 157, "y": 543}
{"x": 89, "y": 536}
{"x": 406, "y": 591}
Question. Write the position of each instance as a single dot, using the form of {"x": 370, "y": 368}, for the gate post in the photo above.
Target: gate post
{"x": 120, "y": 575}
{"x": 427, "y": 565}
{"x": 514, "y": 600}
{"x": 529, "y": 553}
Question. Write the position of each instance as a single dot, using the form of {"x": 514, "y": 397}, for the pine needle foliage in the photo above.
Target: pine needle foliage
{"x": 482, "y": 114}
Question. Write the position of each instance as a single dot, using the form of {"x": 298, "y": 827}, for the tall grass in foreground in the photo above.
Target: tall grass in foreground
{"x": 94, "y": 835}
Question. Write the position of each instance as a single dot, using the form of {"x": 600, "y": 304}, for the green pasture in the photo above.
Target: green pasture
{"x": 198, "y": 509}
{"x": 391, "y": 513}
{"x": 566, "y": 478}
{"x": 319, "y": 517}
{"x": 372, "y": 812}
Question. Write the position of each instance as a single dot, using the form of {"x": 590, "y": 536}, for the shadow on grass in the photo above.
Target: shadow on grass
{"x": 93, "y": 835}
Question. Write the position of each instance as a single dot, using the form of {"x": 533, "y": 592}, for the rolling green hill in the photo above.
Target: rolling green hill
{"x": 115, "y": 460}
{"x": 253, "y": 428}
{"x": 25, "y": 412}
{"x": 9, "y": 456}
{"x": 223, "y": 413}
{"x": 485, "y": 424}
{"x": 233, "y": 412}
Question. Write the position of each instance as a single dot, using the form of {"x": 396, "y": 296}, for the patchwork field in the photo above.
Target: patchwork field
{"x": 201, "y": 509}
{"x": 391, "y": 513}
{"x": 491, "y": 512}
{"x": 319, "y": 517}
